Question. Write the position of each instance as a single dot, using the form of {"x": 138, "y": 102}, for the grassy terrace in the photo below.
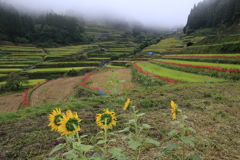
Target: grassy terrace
{"x": 30, "y": 82}
{"x": 8, "y": 70}
{"x": 17, "y": 62}
{"x": 176, "y": 75}
{"x": 164, "y": 45}
{"x": 20, "y": 49}
{"x": 13, "y": 65}
{"x": 205, "y": 55}
{"x": 55, "y": 69}
{"x": 67, "y": 64}
{"x": 228, "y": 66}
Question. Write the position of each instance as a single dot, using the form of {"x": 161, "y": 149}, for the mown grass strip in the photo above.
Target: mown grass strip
{"x": 176, "y": 75}
{"x": 56, "y": 69}
{"x": 8, "y": 70}
{"x": 228, "y": 66}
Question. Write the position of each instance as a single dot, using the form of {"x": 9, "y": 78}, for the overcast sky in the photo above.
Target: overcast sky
{"x": 149, "y": 12}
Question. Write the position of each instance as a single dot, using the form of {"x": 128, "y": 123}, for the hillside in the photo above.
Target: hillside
{"x": 214, "y": 14}
{"x": 202, "y": 80}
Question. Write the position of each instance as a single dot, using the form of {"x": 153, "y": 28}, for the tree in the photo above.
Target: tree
{"x": 15, "y": 81}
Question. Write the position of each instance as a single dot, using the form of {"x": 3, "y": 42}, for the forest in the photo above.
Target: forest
{"x": 46, "y": 28}
{"x": 213, "y": 14}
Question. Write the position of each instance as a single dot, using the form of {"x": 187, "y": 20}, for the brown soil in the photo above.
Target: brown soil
{"x": 100, "y": 80}
{"x": 54, "y": 91}
{"x": 10, "y": 102}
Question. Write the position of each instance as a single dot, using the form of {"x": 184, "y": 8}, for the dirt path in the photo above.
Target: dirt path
{"x": 100, "y": 80}
{"x": 54, "y": 91}
{"x": 10, "y": 102}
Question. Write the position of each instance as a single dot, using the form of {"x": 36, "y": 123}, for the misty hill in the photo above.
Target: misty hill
{"x": 213, "y": 14}
{"x": 50, "y": 29}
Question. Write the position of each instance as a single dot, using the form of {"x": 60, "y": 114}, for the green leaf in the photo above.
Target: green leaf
{"x": 124, "y": 130}
{"x": 101, "y": 141}
{"x": 195, "y": 157}
{"x": 112, "y": 140}
{"x": 76, "y": 145}
{"x": 173, "y": 132}
{"x": 170, "y": 147}
{"x": 128, "y": 136}
{"x": 189, "y": 141}
{"x": 152, "y": 141}
{"x": 86, "y": 148}
{"x": 134, "y": 144}
{"x": 175, "y": 122}
{"x": 190, "y": 129}
{"x": 141, "y": 114}
{"x": 70, "y": 154}
{"x": 57, "y": 148}
{"x": 146, "y": 126}
{"x": 54, "y": 158}
{"x": 184, "y": 117}
{"x": 115, "y": 151}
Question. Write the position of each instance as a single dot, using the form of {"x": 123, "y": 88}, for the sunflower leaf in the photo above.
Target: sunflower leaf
{"x": 170, "y": 147}
{"x": 173, "y": 132}
{"x": 56, "y": 148}
{"x": 102, "y": 141}
{"x": 195, "y": 157}
{"x": 152, "y": 141}
{"x": 128, "y": 136}
{"x": 125, "y": 129}
{"x": 70, "y": 154}
{"x": 189, "y": 141}
{"x": 190, "y": 129}
{"x": 175, "y": 122}
{"x": 112, "y": 140}
{"x": 141, "y": 114}
{"x": 134, "y": 144}
{"x": 146, "y": 126}
{"x": 86, "y": 148}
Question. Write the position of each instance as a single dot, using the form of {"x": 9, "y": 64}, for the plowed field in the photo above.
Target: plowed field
{"x": 54, "y": 91}
{"x": 10, "y": 102}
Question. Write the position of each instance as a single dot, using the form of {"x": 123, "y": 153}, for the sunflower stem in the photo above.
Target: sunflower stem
{"x": 79, "y": 140}
{"x": 183, "y": 135}
{"x": 135, "y": 122}
{"x": 105, "y": 138}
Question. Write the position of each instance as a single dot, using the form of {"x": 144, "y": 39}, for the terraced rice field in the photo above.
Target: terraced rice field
{"x": 176, "y": 75}
{"x": 56, "y": 69}
{"x": 169, "y": 44}
{"x": 54, "y": 91}
{"x": 228, "y": 66}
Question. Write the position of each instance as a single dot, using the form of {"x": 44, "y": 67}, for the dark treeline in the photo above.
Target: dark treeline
{"x": 213, "y": 14}
{"x": 46, "y": 29}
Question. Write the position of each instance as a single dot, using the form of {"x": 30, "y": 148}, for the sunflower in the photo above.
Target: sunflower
{"x": 110, "y": 118}
{"x": 127, "y": 104}
{"x": 69, "y": 123}
{"x": 174, "y": 110}
{"x": 55, "y": 119}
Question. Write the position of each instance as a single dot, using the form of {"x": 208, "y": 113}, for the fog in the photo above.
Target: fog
{"x": 154, "y": 13}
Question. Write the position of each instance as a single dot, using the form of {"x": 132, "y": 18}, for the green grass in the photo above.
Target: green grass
{"x": 212, "y": 109}
{"x": 228, "y": 66}
{"x": 164, "y": 45}
{"x": 20, "y": 48}
{"x": 56, "y": 69}
{"x": 237, "y": 54}
{"x": 176, "y": 75}
{"x": 8, "y": 70}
